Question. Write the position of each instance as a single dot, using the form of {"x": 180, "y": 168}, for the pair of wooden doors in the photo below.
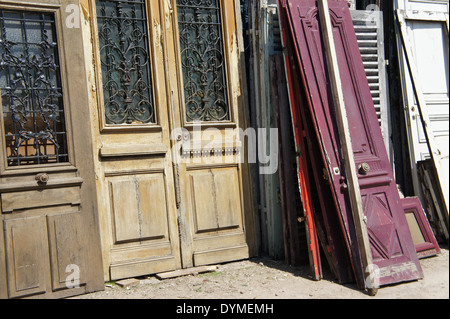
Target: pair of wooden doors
{"x": 168, "y": 100}
{"x": 108, "y": 169}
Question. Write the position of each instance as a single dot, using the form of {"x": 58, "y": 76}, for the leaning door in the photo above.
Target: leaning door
{"x": 49, "y": 238}
{"x": 390, "y": 239}
{"x": 134, "y": 169}
{"x": 425, "y": 27}
{"x": 208, "y": 117}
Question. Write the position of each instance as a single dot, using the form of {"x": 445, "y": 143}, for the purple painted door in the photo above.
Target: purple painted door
{"x": 391, "y": 243}
{"x": 309, "y": 152}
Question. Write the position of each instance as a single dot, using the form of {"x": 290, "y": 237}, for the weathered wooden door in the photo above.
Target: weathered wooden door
{"x": 49, "y": 235}
{"x": 391, "y": 244}
{"x": 207, "y": 49}
{"x": 136, "y": 202}
{"x": 424, "y": 60}
{"x": 166, "y": 71}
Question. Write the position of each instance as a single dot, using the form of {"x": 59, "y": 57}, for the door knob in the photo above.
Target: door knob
{"x": 364, "y": 168}
{"x": 42, "y": 178}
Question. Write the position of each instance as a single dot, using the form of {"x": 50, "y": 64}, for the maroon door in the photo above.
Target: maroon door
{"x": 310, "y": 159}
{"x": 391, "y": 243}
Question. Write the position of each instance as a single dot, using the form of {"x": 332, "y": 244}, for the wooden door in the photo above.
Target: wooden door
{"x": 391, "y": 244}
{"x": 49, "y": 235}
{"x": 424, "y": 60}
{"x": 209, "y": 115}
{"x": 164, "y": 201}
{"x": 137, "y": 209}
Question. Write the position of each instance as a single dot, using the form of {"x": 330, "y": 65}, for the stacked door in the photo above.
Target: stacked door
{"x": 168, "y": 103}
{"x": 390, "y": 239}
{"x": 49, "y": 236}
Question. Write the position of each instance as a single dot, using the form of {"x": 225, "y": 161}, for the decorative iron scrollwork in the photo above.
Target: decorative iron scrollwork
{"x": 203, "y": 60}
{"x": 30, "y": 85}
{"x": 124, "y": 54}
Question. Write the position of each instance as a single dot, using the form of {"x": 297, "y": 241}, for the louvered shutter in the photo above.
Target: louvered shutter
{"x": 369, "y": 31}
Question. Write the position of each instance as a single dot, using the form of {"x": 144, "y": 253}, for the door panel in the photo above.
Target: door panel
{"x": 426, "y": 30}
{"x": 421, "y": 232}
{"x": 370, "y": 34}
{"x": 390, "y": 239}
{"x": 216, "y": 204}
{"x": 49, "y": 226}
{"x": 26, "y": 243}
{"x": 139, "y": 208}
{"x": 65, "y": 241}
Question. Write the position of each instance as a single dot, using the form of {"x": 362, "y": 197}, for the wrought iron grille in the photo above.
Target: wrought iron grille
{"x": 203, "y": 60}
{"x": 124, "y": 54}
{"x": 30, "y": 85}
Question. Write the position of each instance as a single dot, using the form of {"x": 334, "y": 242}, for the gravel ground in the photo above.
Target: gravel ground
{"x": 263, "y": 278}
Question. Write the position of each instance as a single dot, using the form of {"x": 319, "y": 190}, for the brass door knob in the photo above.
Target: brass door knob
{"x": 364, "y": 168}
{"x": 42, "y": 178}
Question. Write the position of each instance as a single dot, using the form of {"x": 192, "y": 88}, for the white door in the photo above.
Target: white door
{"x": 426, "y": 24}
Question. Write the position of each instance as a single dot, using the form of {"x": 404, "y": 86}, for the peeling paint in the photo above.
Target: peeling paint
{"x": 85, "y": 8}
{"x": 168, "y": 9}
{"x": 158, "y": 35}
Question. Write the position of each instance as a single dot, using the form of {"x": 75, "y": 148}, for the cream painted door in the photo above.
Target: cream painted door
{"x": 163, "y": 207}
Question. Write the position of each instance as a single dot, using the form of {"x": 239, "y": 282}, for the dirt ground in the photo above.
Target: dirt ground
{"x": 263, "y": 278}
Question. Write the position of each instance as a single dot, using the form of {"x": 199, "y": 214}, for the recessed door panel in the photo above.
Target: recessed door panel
{"x": 216, "y": 200}
{"x": 66, "y": 245}
{"x": 27, "y": 253}
{"x": 139, "y": 207}
{"x": 153, "y": 205}
{"x": 125, "y": 206}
